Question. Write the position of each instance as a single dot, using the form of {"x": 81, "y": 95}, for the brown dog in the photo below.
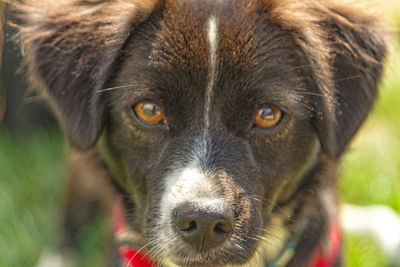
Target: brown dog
{"x": 220, "y": 123}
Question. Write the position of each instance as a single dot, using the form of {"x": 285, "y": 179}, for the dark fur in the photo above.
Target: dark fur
{"x": 320, "y": 61}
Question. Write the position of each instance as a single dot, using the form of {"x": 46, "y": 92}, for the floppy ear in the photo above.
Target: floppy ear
{"x": 358, "y": 51}
{"x": 345, "y": 50}
{"x": 72, "y": 48}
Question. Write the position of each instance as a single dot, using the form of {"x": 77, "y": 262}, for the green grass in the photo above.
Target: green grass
{"x": 30, "y": 185}
{"x": 31, "y": 191}
{"x": 361, "y": 251}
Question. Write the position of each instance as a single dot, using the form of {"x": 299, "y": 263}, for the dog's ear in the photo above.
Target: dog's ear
{"x": 345, "y": 49}
{"x": 358, "y": 50}
{"x": 72, "y": 48}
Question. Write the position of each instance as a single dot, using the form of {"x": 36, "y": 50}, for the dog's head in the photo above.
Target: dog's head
{"x": 210, "y": 114}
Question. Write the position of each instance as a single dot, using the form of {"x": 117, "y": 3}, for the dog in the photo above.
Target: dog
{"x": 219, "y": 124}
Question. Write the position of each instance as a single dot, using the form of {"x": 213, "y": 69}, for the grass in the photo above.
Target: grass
{"x": 362, "y": 251}
{"x": 29, "y": 191}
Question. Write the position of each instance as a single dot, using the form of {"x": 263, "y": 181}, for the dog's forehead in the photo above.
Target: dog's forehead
{"x": 241, "y": 30}
{"x": 205, "y": 56}
{"x": 238, "y": 35}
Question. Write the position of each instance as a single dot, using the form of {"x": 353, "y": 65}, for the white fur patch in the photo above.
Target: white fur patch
{"x": 189, "y": 184}
{"x": 212, "y": 37}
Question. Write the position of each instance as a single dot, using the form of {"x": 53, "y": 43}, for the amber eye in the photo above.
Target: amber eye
{"x": 148, "y": 112}
{"x": 268, "y": 117}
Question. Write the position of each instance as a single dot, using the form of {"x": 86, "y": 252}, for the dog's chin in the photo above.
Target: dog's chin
{"x": 188, "y": 262}
{"x": 184, "y": 256}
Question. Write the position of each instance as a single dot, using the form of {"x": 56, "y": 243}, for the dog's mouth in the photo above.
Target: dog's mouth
{"x": 205, "y": 237}
{"x": 166, "y": 245}
{"x": 221, "y": 257}
{"x": 173, "y": 250}
{"x": 249, "y": 244}
{"x": 133, "y": 251}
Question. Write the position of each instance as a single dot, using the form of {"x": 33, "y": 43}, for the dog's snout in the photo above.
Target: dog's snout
{"x": 203, "y": 228}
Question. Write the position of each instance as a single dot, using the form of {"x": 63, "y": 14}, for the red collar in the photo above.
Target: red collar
{"x": 327, "y": 257}
{"x": 131, "y": 256}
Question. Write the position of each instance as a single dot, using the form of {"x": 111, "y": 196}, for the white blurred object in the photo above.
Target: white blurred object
{"x": 56, "y": 259}
{"x": 380, "y": 222}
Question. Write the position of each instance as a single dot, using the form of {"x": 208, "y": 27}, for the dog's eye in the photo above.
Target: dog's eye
{"x": 268, "y": 117}
{"x": 148, "y": 112}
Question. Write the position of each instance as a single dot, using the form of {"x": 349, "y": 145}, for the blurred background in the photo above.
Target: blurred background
{"x": 32, "y": 161}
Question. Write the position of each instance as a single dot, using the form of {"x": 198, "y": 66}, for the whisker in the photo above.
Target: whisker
{"x": 262, "y": 199}
{"x": 270, "y": 234}
{"x": 349, "y": 78}
{"x": 117, "y": 87}
{"x": 155, "y": 251}
{"x": 259, "y": 237}
{"x": 309, "y": 93}
{"x": 291, "y": 69}
{"x": 147, "y": 253}
{"x": 137, "y": 252}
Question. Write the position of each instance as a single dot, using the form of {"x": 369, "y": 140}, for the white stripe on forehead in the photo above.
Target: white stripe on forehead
{"x": 212, "y": 37}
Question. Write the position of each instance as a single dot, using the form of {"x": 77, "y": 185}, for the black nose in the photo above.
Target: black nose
{"x": 203, "y": 227}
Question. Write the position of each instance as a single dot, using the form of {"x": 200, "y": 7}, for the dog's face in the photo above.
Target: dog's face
{"x": 234, "y": 125}
{"x": 211, "y": 115}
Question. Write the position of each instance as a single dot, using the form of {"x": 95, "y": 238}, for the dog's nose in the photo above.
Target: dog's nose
{"x": 203, "y": 228}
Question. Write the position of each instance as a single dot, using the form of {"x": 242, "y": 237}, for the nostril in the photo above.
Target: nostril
{"x": 185, "y": 223}
{"x": 223, "y": 228}
{"x": 191, "y": 226}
